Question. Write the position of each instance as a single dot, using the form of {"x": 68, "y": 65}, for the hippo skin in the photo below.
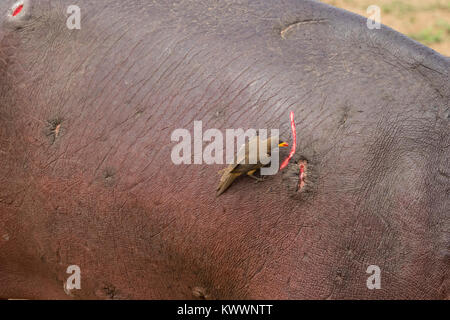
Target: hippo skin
{"x": 86, "y": 177}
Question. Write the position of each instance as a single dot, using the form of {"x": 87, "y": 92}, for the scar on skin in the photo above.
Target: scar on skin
{"x": 291, "y": 26}
{"x": 55, "y": 128}
{"x": 200, "y": 293}
{"x": 109, "y": 176}
{"x": 56, "y": 131}
{"x": 107, "y": 291}
{"x": 302, "y": 165}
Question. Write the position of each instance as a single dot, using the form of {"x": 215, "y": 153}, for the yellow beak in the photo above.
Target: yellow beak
{"x": 283, "y": 144}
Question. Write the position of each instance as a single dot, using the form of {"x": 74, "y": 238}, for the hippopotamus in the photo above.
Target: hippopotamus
{"x": 87, "y": 183}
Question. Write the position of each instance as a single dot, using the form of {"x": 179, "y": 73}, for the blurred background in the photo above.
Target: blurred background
{"x": 427, "y": 21}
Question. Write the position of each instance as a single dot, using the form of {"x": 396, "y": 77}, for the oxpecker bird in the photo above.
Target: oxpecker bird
{"x": 246, "y": 163}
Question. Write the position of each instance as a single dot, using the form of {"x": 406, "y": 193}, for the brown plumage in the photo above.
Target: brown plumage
{"x": 244, "y": 164}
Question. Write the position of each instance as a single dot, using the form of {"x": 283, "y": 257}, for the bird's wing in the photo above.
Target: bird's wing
{"x": 244, "y": 163}
{"x": 245, "y": 167}
{"x": 226, "y": 180}
{"x": 242, "y": 154}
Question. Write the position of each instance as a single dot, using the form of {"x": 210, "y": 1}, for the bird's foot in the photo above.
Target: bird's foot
{"x": 251, "y": 175}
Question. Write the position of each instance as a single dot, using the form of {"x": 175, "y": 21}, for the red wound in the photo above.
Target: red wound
{"x": 301, "y": 177}
{"x": 294, "y": 142}
{"x": 17, "y": 10}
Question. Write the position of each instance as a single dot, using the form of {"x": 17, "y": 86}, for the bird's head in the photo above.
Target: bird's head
{"x": 279, "y": 145}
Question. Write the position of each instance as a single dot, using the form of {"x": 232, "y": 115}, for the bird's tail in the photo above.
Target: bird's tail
{"x": 226, "y": 181}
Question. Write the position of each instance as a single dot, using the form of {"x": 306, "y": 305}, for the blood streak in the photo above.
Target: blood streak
{"x": 17, "y": 10}
{"x": 294, "y": 142}
{"x": 301, "y": 176}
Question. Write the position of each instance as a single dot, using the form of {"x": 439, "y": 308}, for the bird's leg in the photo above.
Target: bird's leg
{"x": 251, "y": 175}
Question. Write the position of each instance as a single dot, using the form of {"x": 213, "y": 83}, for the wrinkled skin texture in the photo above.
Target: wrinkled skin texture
{"x": 86, "y": 178}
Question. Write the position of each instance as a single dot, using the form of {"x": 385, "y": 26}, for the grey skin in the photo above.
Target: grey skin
{"x": 86, "y": 179}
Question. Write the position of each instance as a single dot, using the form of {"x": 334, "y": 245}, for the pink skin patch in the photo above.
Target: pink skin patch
{"x": 17, "y": 10}
{"x": 301, "y": 175}
{"x": 294, "y": 142}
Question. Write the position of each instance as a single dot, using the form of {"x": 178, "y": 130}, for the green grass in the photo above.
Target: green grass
{"x": 438, "y": 6}
{"x": 398, "y": 7}
{"x": 429, "y": 36}
{"x": 443, "y": 25}
{"x": 436, "y": 34}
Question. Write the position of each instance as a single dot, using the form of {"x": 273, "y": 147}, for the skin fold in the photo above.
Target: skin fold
{"x": 86, "y": 178}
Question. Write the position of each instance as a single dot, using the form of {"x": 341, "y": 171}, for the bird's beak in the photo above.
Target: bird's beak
{"x": 283, "y": 144}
